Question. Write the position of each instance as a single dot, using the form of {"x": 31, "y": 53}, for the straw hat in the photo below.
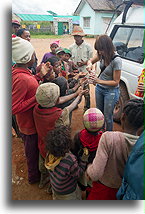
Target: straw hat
{"x": 78, "y": 31}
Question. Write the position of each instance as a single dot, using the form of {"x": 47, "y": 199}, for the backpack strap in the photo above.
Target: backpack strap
{"x": 105, "y": 66}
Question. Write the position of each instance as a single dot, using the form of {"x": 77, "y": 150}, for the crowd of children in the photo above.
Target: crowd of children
{"x": 93, "y": 162}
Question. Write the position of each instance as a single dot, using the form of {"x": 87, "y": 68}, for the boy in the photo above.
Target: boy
{"x": 63, "y": 166}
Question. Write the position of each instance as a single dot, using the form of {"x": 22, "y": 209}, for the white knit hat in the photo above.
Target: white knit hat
{"x": 47, "y": 94}
{"x": 22, "y": 50}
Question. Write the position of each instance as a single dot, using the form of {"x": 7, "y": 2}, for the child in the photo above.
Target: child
{"x": 47, "y": 116}
{"x": 114, "y": 148}
{"x": 64, "y": 90}
{"x": 64, "y": 66}
{"x": 53, "y": 47}
{"x": 63, "y": 166}
{"x": 72, "y": 68}
{"x": 56, "y": 65}
{"x": 88, "y": 138}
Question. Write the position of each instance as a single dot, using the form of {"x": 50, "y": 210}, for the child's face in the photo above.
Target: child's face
{"x": 66, "y": 57}
{"x": 57, "y": 68}
{"x": 50, "y": 76}
{"x": 53, "y": 48}
{"x": 60, "y": 55}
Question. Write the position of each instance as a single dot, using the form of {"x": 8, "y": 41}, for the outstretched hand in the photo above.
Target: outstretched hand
{"x": 89, "y": 66}
{"x": 81, "y": 92}
{"x": 45, "y": 68}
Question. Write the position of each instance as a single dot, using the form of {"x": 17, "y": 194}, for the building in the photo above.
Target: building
{"x": 95, "y": 15}
{"x": 52, "y": 22}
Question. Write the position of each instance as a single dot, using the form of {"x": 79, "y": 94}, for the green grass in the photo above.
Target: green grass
{"x": 46, "y": 36}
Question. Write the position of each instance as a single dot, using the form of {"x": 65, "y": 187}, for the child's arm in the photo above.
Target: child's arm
{"x": 67, "y": 98}
{"x": 77, "y": 169}
{"x": 74, "y": 104}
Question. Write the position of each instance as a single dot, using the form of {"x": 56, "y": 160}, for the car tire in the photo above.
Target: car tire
{"x": 120, "y": 104}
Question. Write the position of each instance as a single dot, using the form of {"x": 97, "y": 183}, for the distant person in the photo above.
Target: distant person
{"x": 15, "y": 26}
{"x": 81, "y": 53}
{"x": 25, "y": 34}
{"x": 53, "y": 46}
{"x": 107, "y": 84}
{"x": 108, "y": 166}
{"x": 64, "y": 168}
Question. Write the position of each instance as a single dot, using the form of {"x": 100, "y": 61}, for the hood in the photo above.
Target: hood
{"x": 51, "y": 161}
{"x": 130, "y": 140}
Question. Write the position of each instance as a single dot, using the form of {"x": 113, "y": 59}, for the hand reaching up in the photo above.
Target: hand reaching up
{"x": 45, "y": 69}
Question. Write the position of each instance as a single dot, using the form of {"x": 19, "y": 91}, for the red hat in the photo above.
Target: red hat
{"x": 16, "y": 22}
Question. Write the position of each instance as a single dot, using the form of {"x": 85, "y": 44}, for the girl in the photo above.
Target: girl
{"x": 107, "y": 88}
{"x": 53, "y": 47}
{"x": 114, "y": 148}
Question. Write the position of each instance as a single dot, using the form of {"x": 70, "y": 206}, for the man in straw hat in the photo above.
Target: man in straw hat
{"x": 81, "y": 52}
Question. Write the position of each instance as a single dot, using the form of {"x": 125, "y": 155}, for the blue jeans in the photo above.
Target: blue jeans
{"x": 106, "y": 98}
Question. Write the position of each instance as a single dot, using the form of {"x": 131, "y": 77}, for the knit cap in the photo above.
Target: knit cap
{"x": 47, "y": 94}
{"x": 93, "y": 119}
{"x": 55, "y": 42}
{"x": 22, "y": 50}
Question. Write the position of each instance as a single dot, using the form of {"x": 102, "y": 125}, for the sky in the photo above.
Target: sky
{"x": 61, "y": 7}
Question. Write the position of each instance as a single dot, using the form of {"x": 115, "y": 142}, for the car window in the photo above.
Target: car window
{"x": 129, "y": 43}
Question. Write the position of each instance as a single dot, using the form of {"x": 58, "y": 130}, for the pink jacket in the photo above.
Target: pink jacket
{"x": 111, "y": 156}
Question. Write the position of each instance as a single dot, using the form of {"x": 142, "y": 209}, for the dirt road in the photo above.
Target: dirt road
{"x": 21, "y": 190}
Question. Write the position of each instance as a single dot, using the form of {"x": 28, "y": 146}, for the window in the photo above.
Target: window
{"x": 129, "y": 43}
{"x": 86, "y": 21}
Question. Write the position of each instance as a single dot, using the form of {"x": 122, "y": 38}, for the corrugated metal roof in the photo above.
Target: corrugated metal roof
{"x": 37, "y": 17}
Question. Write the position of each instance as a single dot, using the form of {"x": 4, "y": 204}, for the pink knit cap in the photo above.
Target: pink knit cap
{"x": 55, "y": 42}
{"x": 93, "y": 119}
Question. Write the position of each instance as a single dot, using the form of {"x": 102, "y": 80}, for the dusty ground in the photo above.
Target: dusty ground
{"x": 21, "y": 190}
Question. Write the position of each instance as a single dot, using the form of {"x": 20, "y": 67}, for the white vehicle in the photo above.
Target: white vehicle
{"x": 128, "y": 37}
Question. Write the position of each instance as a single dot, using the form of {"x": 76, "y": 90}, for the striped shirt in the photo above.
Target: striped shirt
{"x": 66, "y": 174}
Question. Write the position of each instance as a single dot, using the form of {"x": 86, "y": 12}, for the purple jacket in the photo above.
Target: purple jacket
{"x": 47, "y": 56}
